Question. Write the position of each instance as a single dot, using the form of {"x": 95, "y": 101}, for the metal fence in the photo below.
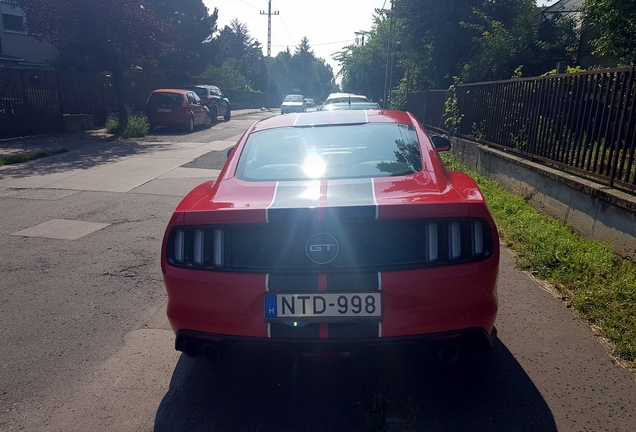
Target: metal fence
{"x": 34, "y": 102}
{"x": 584, "y": 123}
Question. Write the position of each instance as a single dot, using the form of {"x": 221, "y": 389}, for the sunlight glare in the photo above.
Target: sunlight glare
{"x": 314, "y": 166}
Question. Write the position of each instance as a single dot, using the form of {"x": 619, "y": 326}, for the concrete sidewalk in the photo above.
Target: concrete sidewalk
{"x": 69, "y": 141}
{"x": 94, "y": 163}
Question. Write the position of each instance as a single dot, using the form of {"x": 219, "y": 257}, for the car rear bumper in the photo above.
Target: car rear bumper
{"x": 447, "y": 346}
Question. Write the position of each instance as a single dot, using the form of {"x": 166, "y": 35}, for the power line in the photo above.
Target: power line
{"x": 321, "y": 44}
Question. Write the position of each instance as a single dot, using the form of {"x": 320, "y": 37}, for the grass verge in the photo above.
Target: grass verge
{"x": 599, "y": 285}
{"x": 25, "y": 157}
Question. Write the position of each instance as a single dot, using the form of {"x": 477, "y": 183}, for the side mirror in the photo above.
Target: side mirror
{"x": 441, "y": 143}
{"x": 229, "y": 152}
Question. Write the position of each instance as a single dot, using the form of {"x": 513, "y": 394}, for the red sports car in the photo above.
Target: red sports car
{"x": 330, "y": 233}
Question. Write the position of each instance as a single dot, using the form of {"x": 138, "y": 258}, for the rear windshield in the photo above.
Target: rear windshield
{"x": 346, "y": 99}
{"x": 330, "y": 152}
{"x": 294, "y": 98}
{"x": 198, "y": 90}
{"x": 166, "y": 99}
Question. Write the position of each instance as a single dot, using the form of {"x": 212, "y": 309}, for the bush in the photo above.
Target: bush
{"x": 137, "y": 127}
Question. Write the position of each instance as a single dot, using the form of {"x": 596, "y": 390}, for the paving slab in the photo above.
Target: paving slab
{"x": 62, "y": 229}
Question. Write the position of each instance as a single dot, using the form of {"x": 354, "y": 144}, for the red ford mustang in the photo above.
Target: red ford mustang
{"x": 330, "y": 233}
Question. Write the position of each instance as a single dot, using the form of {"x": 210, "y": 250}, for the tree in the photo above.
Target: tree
{"x": 434, "y": 36}
{"x": 302, "y": 70}
{"x": 363, "y": 67}
{"x": 99, "y": 35}
{"x": 615, "y": 22}
{"x": 193, "y": 43}
{"x": 227, "y": 77}
{"x": 234, "y": 41}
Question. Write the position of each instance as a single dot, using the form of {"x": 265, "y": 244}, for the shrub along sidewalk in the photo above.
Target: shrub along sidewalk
{"x": 599, "y": 285}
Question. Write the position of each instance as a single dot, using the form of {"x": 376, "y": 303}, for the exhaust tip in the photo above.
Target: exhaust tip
{"x": 210, "y": 353}
{"x": 449, "y": 353}
{"x": 190, "y": 348}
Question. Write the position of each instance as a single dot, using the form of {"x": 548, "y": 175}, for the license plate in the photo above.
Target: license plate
{"x": 327, "y": 305}
{"x": 164, "y": 110}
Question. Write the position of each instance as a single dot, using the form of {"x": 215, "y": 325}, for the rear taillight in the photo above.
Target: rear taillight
{"x": 201, "y": 247}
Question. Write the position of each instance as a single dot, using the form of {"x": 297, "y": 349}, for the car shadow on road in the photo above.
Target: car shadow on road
{"x": 254, "y": 392}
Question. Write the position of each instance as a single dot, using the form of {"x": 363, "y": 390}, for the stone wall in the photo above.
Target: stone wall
{"x": 593, "y": 210}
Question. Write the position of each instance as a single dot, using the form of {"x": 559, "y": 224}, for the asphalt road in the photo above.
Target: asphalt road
{"x": 86, "y": 345}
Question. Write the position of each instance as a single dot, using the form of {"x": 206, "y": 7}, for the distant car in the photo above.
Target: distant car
{"x": 293, "y": 103}
{"x": 345, "y": 97}
{"x": 333, "y": 234}
{"x": 309, "y": 102}
{"x": 349, "y": 106}
{"x": 213, "y": 98}
{"x": 177, "y": 107}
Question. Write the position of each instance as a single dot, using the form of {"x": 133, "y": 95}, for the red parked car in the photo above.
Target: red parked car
{"x": 175, "y": 107}
{"x": 331, "y": 233}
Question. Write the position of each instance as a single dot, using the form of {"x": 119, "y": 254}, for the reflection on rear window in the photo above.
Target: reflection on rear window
{"x": 294, "y": 98}
{"x": 330, "y": 152}
{"x": 166, "y": 99}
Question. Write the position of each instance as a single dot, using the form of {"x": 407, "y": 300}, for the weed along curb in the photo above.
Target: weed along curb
{"x": 25, "y": 157}
{"x": 596, "y": 282}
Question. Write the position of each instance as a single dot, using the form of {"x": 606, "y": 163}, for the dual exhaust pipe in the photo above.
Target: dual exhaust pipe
{"x": 194, "y": 349}
{"x": 451, "y": 352}
{"x": 447, "y": 352}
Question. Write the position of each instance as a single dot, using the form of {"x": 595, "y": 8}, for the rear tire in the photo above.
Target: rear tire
{"x": 228, "y": 114}
{"x": 208, "y": 121}
{"x": 190, "y": 126}
{"x": 215, "y": 114}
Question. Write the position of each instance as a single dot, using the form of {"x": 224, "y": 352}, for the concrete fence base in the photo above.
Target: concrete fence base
{"x": 593, "y": 210}
{"x": 78, "y": 122}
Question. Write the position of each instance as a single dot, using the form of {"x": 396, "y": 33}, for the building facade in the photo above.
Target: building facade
{"x": 17, "y": 47}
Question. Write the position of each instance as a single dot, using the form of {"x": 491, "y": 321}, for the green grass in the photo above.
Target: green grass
{"x": 597, "y": 283}
{"x": 25, "y": 157}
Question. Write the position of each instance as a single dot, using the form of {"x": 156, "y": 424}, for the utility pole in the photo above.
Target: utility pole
{"x": 269, "y": 14}
{"x": 360, "y": 34}
{"x": 389, "y": 46}
{"x": 268, "y": 60}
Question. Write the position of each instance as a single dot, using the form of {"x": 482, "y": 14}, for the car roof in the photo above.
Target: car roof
{"x": 177, "y": 91}
{"x": 337, "y": 95}
{"x": 199, "y": 86}
{"x": 349, "y": 105}
{"x": 340, "y": 117}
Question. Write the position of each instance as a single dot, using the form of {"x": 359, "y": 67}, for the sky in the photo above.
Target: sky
{"x": 328, "y": 24}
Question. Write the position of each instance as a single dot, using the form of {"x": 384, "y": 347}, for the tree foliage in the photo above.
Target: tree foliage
{"x": 193, "y": 46}
{"x": 363, "y": 67}
{"x": 99, "y": 35}
{"x": 302, "y": 71}
{"x": 615, "y": 23}
{"x": 423, "y": 44}
{"x": 235, "y": 42}
{"x": 102, "y": 36}
{"x": 227, "y": 77}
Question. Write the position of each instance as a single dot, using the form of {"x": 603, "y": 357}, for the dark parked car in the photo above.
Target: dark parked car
{"x": 213, "y": 98}
{"x": 331, "y": 233}
{"x": 176, "y": 107}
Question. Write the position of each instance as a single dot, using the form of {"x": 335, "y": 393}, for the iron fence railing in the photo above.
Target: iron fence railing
{"x": 584, "y": 122}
